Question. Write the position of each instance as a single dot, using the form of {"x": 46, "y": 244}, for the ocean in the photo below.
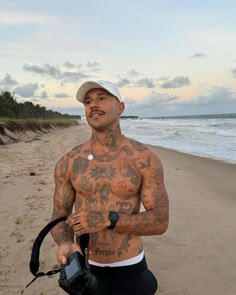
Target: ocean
{"x": 212, "y": 136}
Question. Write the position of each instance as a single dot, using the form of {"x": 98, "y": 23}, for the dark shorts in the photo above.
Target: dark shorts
{"x": 134, "y": 279}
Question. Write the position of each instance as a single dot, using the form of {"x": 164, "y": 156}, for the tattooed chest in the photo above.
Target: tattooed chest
{"x": 113, "y": 184}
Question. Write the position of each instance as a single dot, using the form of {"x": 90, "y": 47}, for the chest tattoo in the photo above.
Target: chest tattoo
{"x": 80, "y": 166}
{"x": 108, "y": 172}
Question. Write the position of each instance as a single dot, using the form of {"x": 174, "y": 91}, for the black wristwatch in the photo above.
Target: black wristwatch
{"x": 113, "y": 217}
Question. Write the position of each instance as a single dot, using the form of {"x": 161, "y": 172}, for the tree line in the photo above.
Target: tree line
{"x": 10, "y": 108}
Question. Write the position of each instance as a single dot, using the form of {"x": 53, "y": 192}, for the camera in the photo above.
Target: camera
{"x": 76, "y": 276}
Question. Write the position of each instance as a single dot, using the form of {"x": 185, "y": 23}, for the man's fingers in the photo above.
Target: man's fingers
{"x": 62, "y": 260}
{"x": 73, "y": 220}
{"x": 77, "y": 228}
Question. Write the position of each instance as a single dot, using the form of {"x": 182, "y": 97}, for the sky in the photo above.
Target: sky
{"x": 167, "y": 58}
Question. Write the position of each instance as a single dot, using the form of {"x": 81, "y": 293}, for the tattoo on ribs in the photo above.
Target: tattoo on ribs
{"x": 85, "y": 184}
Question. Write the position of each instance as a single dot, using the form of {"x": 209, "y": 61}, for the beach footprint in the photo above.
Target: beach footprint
{"x": 18, "y": 236}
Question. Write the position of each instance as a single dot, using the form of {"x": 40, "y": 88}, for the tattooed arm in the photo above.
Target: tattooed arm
{"x": 64, "y": 198}
{"x": 153, "y": 221}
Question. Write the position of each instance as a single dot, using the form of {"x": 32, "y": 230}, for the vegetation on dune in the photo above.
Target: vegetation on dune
{"x": 10, "y": 108}
{"x": 17, "y": 120}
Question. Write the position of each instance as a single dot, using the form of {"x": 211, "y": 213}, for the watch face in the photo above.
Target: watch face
{"x": 113, "y": 217}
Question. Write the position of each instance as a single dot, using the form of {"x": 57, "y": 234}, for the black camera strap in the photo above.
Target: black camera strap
{"x": 34, "y": 261}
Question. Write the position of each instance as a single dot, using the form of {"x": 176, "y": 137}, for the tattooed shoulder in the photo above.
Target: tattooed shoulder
{"x": 62, "y": 166}
{"x": 81, "y": 150}
{"x": 77, "y": 148}
{"x": 138, "y": 146}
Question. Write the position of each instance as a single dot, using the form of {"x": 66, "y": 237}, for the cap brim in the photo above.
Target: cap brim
{"x": 84, "y": 88}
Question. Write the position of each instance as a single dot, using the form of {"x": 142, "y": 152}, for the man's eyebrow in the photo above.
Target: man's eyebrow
{"x": 98, "y": 93}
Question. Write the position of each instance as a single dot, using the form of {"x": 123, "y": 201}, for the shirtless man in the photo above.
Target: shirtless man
{"x": 107, "y": 179}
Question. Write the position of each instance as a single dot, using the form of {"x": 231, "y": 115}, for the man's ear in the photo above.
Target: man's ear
{"x": 121, "y": 108}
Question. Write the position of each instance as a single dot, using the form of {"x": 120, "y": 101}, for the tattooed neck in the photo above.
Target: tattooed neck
{"x": 102, "y": 144}
{"x": 107, "y": 141}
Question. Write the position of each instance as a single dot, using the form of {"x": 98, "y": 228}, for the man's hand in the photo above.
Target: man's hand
{"x": 65, "y": 250}
{"x": 88, "y": 221}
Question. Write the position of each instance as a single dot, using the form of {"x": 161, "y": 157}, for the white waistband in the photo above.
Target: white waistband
{"x": 126, "y": 262}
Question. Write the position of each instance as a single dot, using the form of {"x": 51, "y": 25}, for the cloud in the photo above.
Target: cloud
{"x": 69, "y": 65}
{"x": 162, "y": 79}
{"x": 71, "y": 77}
{"x": 158, "y": 99}
{"x": 45, "y": 69}
{"x": 61, "y": 95}
{"x": 146, "y": 82}
{"x": 8, "y": 81}
{"x": 123, "y": 82}
{"x": 198, "y": 55}
{"x": 133, "y": 73}
{"x": 55, "y": 72}
{"x": 214, "y": 100}
{"x": 215, "y": 96}
{"x": 94, "y": 66}
{"x": 151, "y": 105}
{"x": 177, "y": 82}
{"x": 27, "y": 90}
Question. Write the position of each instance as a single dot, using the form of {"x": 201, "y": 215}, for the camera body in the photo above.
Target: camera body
{"x": 75, "y": 275}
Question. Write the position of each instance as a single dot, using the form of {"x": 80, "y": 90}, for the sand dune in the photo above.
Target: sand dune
{"x": 29, "y": 130}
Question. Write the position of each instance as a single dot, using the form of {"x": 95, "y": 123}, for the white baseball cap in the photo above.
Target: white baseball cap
{"x": 108, "y": 86}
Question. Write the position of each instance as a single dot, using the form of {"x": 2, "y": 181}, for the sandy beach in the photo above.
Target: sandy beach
{"x": 196, "y": 256}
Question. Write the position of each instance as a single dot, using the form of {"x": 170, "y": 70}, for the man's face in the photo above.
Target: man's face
{"x": 102, "y": 109}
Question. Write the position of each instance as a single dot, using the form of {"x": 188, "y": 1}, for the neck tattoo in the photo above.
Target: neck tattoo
{"x": 91, "y": 155}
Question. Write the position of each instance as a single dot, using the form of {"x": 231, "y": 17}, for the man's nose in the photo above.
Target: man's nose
{"x": 93, "y": 104}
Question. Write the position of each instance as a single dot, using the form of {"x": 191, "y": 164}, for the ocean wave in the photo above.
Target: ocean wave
{"x": 206, "y": 136}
